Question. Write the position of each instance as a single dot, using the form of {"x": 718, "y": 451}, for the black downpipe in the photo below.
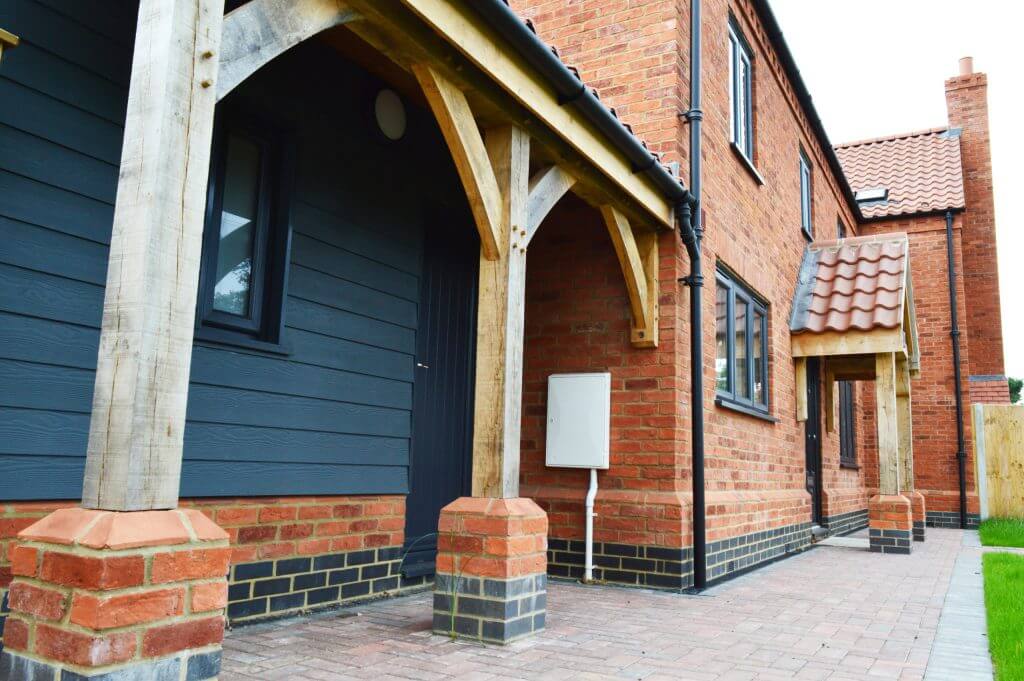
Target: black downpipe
{"x": 692, "y": 240}
{"x": 954, "y": 332}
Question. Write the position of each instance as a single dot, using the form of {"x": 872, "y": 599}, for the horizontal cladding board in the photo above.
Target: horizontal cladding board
{"x": 48, "y": 29}
{"x": 44, "y": 295}
{"x": 341, "y": 294}
{"x": 400, "y": 248}
{"x": 52, "y": 164}
{"x": 302, "y": 314}
{"x": 30, "y": 432}
{"x": 31, "y": 111}
{"x": 41, "y": 204}
{"x": 43, "y": 249}
{"x": 66, "y": 82}
{"x": 113, "y": 21}
{"x": 61, "y": 478}
{"x": 321, "y": 350}
{"x": 340, "y": 263}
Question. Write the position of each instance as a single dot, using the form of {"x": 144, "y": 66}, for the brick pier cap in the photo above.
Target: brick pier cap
{"x": 890, "y": 524}
{"x": 117, "y": 596}
{"x": 491, "y": 581}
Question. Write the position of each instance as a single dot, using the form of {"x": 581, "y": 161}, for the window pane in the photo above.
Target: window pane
{"x": 740, "y": 334}
{"x": 758, "y": 350}
{"x": 231, "y": 292}
{"x": 748, "y": 125}
{"x": 732, "y": 87}
{"x": 742, "y": 124}
{"x": 722, "y": 338}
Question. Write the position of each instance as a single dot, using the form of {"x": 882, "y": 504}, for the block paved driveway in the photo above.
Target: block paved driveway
{"x": 829, "y": 613}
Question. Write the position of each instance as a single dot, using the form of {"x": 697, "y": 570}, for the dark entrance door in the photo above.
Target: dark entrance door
{"x": 813, "y": 436}
{"x": 442, "y": 433}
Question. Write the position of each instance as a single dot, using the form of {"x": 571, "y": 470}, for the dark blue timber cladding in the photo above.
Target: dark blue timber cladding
{"x": 331, "y": 414}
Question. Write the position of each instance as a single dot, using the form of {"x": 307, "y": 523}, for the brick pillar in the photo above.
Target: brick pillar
{"x": 117, "y": 596}
{"x": 890, "y": 523}
{"x": 917, "y": 511}
{"x": 491, "y": 582}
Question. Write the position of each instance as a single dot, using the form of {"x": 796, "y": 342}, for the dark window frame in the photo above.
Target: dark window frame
{"x": 806, "y": 196}
{"x": 841, "y": 232}
{"x": 740, "y": 53}
{"x": 847, "y": 425}
{"x": 740, "y": 293}
{"x": 263, "y": 328}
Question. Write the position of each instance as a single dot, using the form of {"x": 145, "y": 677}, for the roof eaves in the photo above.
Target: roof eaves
{"x": 771, "y": 24}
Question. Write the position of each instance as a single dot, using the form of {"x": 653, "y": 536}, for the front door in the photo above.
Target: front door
{"x": 813, "y": 436}
{"x": 442, "y": 433}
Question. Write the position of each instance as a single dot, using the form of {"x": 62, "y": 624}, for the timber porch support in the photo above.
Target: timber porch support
{"x": 517, "y": 150}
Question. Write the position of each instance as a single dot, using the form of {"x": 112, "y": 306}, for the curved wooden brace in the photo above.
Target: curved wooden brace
{"x": 638, "y": 256}
{"x": 260, "y": 30}
{"x": 547, "y": 186}
{"x": 469, "y": 152}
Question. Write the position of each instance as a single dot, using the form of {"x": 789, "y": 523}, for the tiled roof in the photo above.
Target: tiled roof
{"x": 921, "y": 170}
{"x": 853, "y": 283}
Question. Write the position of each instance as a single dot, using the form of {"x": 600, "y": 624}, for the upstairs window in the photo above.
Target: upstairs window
{"x": 847, "y": 426}
{"x": 245, "y": 239}
{"x": 840, "y": 229}
{"x": 741, "y": 345}
{"x": 740, "y": 92}
{"x": 806, "y": 223}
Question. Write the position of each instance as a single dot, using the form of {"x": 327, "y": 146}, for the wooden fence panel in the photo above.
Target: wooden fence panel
{"x": 999, "y": 448}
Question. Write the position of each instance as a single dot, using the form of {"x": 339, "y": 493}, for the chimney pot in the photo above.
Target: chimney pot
{"x": 966, "y": 66}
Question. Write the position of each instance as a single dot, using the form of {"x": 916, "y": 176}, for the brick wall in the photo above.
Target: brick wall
{"x": 577, "y": 315}
{"x": 967, "y": 104}
{"x": 289, "y": 554}
{"x": 989, "y": 390}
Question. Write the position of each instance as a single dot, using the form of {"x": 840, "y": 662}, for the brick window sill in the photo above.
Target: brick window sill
{"x": 747, "y": 163}
{"x": 744, "y": 409}
{"x": 849, "y": 465}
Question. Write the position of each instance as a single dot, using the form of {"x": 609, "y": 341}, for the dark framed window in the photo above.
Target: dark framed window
{"x": 741, "y": 78}
{"x": 840, "y": 229}
{"x": 741, "y": 345}
{"x": 847, "y": 425}
{"x": 806, "y": 221}
{"x": 246, "y": 236}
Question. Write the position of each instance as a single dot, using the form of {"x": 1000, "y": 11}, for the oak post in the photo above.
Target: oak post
{"x": 887, "y": 422}
{"x": 499, "y": 350}
{"x": 138, "y": 415}
{"x": 905, "y": 425}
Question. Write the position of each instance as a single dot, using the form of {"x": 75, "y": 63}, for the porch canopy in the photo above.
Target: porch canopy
{"x": 854, "y": 307}
{"x": 522, "y": 129}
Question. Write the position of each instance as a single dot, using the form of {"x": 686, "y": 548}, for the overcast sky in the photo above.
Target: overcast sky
{"x": 875, "y": 68}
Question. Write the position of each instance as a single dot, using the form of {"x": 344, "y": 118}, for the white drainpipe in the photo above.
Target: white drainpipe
{"x": 588, "y": 569}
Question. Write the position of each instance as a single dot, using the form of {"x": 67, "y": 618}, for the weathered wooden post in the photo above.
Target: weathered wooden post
{"x": 126, "y": 587}
{"x": 889, "y": 514}
{"x": 905, "y": 425}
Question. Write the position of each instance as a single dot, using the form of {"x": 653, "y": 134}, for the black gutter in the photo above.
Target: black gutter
{"x": 572, "y": 92}
{"x": 691, "y": 239}
{"x": 803, "y": 95}
{"x": 954, "y": 332}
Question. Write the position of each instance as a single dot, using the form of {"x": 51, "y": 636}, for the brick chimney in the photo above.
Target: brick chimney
{"x": 967, "y": 106}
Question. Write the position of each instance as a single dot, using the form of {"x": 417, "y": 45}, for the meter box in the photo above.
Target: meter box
{"x": 579, "y": 420}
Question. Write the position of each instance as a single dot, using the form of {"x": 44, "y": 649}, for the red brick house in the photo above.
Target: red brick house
{"x": 345, "y": 380}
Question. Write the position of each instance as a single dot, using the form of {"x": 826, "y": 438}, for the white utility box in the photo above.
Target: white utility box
{"x": 579, "y": 420}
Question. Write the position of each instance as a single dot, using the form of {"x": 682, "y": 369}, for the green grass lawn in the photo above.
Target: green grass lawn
{"x": 1002, "y": 532}
{"x": 1004, "y": 607}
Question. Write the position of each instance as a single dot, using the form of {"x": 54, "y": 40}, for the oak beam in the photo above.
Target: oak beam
{"x": 7, "y": 41}
{"x": 133, "y": 459}
{"x": 638, "y": 258}
{"x": 463, "y": 27}
{"x": 260, "y": 30}
{"x": 887, "y": 423}
{"x": 800, "y": 371}
{"x": 500, "y": 318}
{"x": 547, "y": 186}
{"x": 849, "y": 342}
{"x": 470, "y": 154}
